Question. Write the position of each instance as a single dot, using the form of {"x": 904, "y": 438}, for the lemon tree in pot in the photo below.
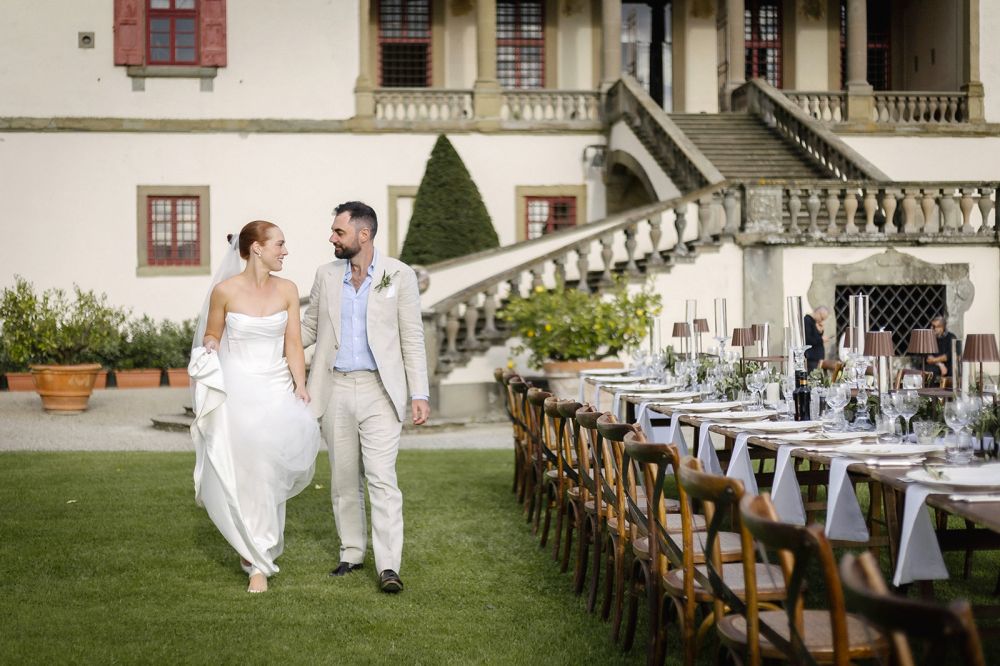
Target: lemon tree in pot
{"x": 62, "y": 339}
{"x": 567, "y": 330}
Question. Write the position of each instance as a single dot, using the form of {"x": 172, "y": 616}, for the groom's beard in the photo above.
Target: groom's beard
{"x": 343, "y": 252}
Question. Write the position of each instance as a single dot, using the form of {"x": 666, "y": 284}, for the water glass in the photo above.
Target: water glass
{"x": 958, "y": 448}
{"x": 926, "y": 431}
{"x": 837, "y": 398}
{"x": 913, "y": 382}
{"x": 888, "y": 406}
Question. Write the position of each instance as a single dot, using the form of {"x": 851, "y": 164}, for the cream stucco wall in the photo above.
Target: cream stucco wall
{"x": 989, "y": 57}
{"x": 68, "y": 201}
{"x": 460, "y": 45}
{"x": 282, "y": 64}
{"x": 931, "y": 158}
{"x": 810, "y": 52}
{"x": 576, "y": 44}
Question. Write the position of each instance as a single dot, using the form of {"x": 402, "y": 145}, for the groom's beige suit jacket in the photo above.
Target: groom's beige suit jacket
{"x": 395, "y": 331}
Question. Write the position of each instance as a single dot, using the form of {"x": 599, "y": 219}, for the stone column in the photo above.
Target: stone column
{"x": 859, "y": 92}
{"x": 764, "y": 290}
{"x": 973, "y": 85}
{"x": 364, "y": 98}
{"x": 736, "y": 55}
{"x": 611, "y": 34}
{"x": 486, "y": 95}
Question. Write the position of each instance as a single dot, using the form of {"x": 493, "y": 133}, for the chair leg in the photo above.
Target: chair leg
{"x": 619, "y": 585}
{"x": 570, "y": 511}
{"x": 609, "y": 580}
{"x": 560, "y": 507}
{"x": 598, "y": 544}
{"x": 548, "y": 501}
{"x": 582, "y": 551}
{"x": 640, "y": 586}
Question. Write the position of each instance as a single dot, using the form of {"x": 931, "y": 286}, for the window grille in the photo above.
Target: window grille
{"x": 762, "y": 40}
{"x": 879, "y": 71}
{"x": 172, "y": 31}
{"x": 897, "y": 308}
{"x": 404, "y": 33}
{"x": 521, "y": 43}
{"x": 172, "y": 231}
{"x": 548, "y": 214}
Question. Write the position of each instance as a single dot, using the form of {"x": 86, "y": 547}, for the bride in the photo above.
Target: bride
{"x": 255, "y": 440}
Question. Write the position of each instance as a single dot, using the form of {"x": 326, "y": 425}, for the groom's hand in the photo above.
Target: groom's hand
{"x": 421, "y": 411}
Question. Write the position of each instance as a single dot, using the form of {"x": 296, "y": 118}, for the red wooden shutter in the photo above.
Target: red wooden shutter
{"x": 213, "y": 33}
{"x": 130, "y": 32}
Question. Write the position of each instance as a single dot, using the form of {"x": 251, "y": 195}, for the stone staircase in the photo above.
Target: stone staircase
{"x": 742, "y": 147}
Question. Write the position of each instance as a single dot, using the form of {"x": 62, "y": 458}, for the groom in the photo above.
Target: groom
{"x": 364, "y": 317}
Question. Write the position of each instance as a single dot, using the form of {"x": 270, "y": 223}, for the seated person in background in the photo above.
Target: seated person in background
{"x": 940, "y": 363}
{"x": 815, "y": 340}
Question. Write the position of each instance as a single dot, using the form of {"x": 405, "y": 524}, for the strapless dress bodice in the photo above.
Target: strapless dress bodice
{"x": 256, "y": 341}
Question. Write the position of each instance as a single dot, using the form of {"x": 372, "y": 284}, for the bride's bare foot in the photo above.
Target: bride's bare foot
{"x": 246, "y": 566}
{"x": 258, "y": 583}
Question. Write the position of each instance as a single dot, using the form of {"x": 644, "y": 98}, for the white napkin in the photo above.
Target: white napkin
{"x": 786, "y": 494}
{"x": 844, "y": 519}
{"x": 919, "y": 553}
{"x": 676, "y": 435}
{"x": 706, "y": 451}
{"x": 739, "y": 464}
{"x": 670, "y": 434}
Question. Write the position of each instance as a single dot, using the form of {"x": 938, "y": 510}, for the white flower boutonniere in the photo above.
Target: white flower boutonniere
{"x": 386, "y": 281}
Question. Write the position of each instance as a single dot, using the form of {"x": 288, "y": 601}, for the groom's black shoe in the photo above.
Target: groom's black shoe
{"x": 388, "y": 581}
{"x": 345, "y": 568}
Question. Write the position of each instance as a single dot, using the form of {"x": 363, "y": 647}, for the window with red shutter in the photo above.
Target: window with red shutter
{"x": 173, "y": 228}
{"x": 521, "y": 43}
{"x": 547, "y": 214}
{"x": 170, "y": 32}
{"x": 762, "y": 40}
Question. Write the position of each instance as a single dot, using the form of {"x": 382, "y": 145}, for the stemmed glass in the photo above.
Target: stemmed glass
{"x": 837, "y": 398}
{"x": 957, "y": 414}
{"x": 755, "y": 382}
{"x": 907, "y": 403}
{"x": 787, "y": 387}
{"x": 888, "y": 404}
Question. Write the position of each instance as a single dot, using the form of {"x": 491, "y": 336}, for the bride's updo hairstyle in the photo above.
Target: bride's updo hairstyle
{"x": 254, "y": 232}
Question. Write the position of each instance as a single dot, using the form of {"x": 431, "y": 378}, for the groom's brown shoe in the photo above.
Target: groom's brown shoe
{"x": 345, "y": 568}
{"x": 388, "y": 581}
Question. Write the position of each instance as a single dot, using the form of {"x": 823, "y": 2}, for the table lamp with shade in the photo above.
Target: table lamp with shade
{"x": 742, "y": 337}
{"x": 683, "y": 331}
{"x": 922, "y": 341}
{"x": 980, "y": 348}
{"x": 700, "y": 326}
{"x": 878, "y": 345}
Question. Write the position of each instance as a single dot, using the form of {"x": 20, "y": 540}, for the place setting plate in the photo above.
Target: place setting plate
{"x": 825, "y": 437}
{"x": 783, "y": 426}
{"x": 971, "y": 477}
{"x": 757, "y": 415}
{"x": 875, "y": 450}
{"x": 645, "y": 388}
{"x": 706, "y": 406}
{"x": 617, "y": 379}
{"x": 604, "y": 372}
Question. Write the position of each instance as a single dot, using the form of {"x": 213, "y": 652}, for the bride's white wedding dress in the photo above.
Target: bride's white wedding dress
{"x": 255, "y": 442}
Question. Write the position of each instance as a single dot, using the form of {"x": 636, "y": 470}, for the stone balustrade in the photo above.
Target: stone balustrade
{"x": 422, "y": 104}
{"x": 565, "y": 106}
{"x": 827, "y": 107}
{"x": 920, "y": 107}
{"x": 847, "y": 212}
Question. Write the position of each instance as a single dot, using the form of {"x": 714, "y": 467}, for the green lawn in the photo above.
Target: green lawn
{"x": 104, "y": 558}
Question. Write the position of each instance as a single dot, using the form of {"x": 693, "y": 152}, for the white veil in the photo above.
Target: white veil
{"x": 230, "y": 266}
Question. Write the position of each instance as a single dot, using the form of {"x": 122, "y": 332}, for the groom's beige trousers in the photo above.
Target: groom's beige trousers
{"x": 362, "y": 435}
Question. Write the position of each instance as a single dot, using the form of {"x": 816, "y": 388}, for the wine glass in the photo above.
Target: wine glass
{"x": 787, "y": 388}
{"x": 837, "y": 398}
{"x": 907, "y": 404}
{"x": 957, "y": 414}
{"x": 755, "y": 382}
{"x": 888, "y": 405}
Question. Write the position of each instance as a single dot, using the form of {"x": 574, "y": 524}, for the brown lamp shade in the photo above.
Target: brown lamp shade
{"x": 922, "y": 341}
{"x": 743, "y": 337}
{"x": 681, "y": 329}
{"x": 848, "y": 338}
{"x": 701, "y": 326}
{"x": 981, "y": 347}
{"x": 758, "y": 331}
{"x": 878, "y": 343}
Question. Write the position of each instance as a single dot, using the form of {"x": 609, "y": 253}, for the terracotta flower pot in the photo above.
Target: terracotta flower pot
{"x": 102, "y": 380}
{"x": 564, "y": 376}
{"x": 20, "y": 381}
{"x": 65, "y": 389}
{"x": 178, "y": 377}
{"x": 141, "y": 378}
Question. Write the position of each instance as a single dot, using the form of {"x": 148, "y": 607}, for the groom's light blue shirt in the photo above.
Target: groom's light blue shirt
{"x": 354, "y": 353}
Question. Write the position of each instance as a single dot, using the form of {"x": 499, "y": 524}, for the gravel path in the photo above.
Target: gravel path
{"x": 119, "y": 420}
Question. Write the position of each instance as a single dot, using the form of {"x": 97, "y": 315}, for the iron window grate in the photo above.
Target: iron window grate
{"x": 899, "y": 308}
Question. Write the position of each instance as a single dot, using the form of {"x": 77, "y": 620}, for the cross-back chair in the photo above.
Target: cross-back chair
{"x": 538, "y": 463}
{"x": 514, "y": 412}
{"x": 569, "y": 506}
{"x": 941, "y": 630}
{"x": 518, "y": 389}
{"x": 797, "y": 634}
{"x": 590, "y": 468}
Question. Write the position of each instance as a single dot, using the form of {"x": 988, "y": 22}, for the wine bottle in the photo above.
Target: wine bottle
{"x": 802, "y": 396}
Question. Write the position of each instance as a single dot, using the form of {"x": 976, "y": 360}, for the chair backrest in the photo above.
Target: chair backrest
{"x": 502, "y": 377}
{"x": 568, "y": 439}
{"x": 517, "y": 388}
{"x": 832, "y": 368}
{"x": 552, "y": 429}
{"x": 797, "y": 546}
{"x": 939, "y": 628}
{"x": 720, "y": 497}
{"x": 613, "y": 471}
{"x": 590, "y": 462}
{"x": 535, "y": 407}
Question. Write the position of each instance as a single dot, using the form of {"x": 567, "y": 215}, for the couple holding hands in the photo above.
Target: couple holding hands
{"x": 255, "y": 431}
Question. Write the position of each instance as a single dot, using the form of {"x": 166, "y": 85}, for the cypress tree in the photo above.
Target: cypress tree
{"x": 449, "y": 217}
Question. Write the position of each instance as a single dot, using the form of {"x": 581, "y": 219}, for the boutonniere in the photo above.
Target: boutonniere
{"x": 385, "y": 281}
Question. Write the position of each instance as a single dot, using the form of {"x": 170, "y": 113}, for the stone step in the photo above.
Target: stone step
{"x": 173, "y": 422}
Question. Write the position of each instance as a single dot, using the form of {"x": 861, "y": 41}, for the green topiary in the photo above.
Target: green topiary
{"x": 449, "y": 217}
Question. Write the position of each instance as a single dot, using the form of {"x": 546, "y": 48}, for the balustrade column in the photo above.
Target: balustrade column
{"x": 832, "y": 206}
{"x": 812, "y": 206}
{"x": 794, "y": 206}
{"x": 985, "y": 206}
{"x": 680, "y": 221}
{"x": 927, "y": 207}
{"x": 730, "y": 204}
{"x": 850, "y": 211}
{"x": 655, "y": 235}
{"x": 909, "y": 211}
{"x": 471, "y": 317}
{"x": 871, "y": 205}
{"x": 889, "y": 205}
{"x": 560, "y": 271}
{"x": 630, "y": 244}
{"x": 611, "y": 35}
{"x": 487, "y": 97}
{"x": 490, "y": 331}
{"x": 607, "y": 255}
{"x": 583, "y": 267}
{"x": 735, "y": 50}
{"x": 973, "y": 85}
{"x": 859, "y": 91}
{"x": 966, "y": 204}
{"x": 451, "y": 335}
{"x": 705, "y": 219}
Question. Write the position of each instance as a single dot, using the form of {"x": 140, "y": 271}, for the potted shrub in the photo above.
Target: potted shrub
{"x": 176, "y": 345}
{"x": 63, "y": 341}
{"x": 142, "y": 357}
{"x": 567, "y": 330}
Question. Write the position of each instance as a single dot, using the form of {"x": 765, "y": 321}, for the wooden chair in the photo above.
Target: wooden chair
{"x": 503, "y": 376}
{"x": 832, "y": 368}
{"x": 537, "y": 461}
{"x": 570, "y": 508}
{"x": 726, "y": 586}
{"x": 940, "y": 629}
{"x": 590, "y": 466}
{"x": 797, "y": 634}
{"x": 518, "y": 390}
{"x": 561, "y": 474}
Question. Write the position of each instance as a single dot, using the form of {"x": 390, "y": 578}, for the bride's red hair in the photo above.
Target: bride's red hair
{"x": 254, "y": 232}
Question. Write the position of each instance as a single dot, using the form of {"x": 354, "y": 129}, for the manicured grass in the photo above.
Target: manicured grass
{"x": 104, "y": 558}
